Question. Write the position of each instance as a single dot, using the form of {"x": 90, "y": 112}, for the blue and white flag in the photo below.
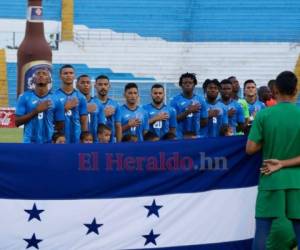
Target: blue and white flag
{"x": 191, "y": 194}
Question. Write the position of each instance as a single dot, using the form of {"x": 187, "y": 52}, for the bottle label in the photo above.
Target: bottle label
{"x": 29, "y": 70}
{"x": 35, "y": 14}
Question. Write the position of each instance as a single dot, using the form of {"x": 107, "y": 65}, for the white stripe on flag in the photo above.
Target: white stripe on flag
{"x": 185, "y": 219}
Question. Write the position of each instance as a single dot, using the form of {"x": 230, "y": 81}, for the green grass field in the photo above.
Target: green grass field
{"x": 11, "y": 134}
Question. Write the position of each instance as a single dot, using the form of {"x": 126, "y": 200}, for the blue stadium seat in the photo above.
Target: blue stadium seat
{"x": 17, "y": 9}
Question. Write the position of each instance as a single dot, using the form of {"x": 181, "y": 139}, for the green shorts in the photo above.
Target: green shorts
{"x": 278, "y": 203}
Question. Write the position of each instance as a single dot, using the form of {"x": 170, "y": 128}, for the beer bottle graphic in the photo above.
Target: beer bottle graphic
{"x": 34, "y": 52}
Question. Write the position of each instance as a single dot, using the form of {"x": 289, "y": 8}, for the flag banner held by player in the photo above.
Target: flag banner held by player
{"x": 164, "y": 195}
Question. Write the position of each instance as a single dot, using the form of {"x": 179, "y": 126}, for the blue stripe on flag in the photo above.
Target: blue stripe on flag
{"x": 125, "y": 170}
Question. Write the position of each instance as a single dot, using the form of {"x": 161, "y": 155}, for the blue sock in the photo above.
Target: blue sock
{"x": 262, "y": 231}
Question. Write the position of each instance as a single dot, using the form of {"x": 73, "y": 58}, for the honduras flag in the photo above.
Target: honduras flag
{"x": 191, "y": 194}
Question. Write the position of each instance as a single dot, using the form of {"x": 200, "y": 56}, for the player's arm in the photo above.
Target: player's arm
{"x": 131, "y": 123}
{"x": 22, "y": 119}
{"x": 241, "y": 121}
{"x": 255, "y": 138}
{"x": 203, "y": 114}
{"x": 83, "y": 113}
{"x": 84, "y": 122}
{"x": 118, "y": 128}
{"x": 273, "y": 165}
{"x": 252, "y": 147}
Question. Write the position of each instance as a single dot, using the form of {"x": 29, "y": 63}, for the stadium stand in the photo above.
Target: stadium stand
{"x": 157, "y": 41}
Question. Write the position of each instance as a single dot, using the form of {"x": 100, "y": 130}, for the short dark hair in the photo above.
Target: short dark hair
{"x": 209, "y": 81}
{"x": 168, "y": 136}
{"x": 102, "y": 77}
{"x": 81, "y": 76}
{"x": 271, "y": 83}
{"x": 286, "y": 83}
{"x": 56, "y": 135}
{"x": 102, "y": 127}
{"x": 149, "y": 136}
{"x": 249, "y": 81}
{"x": 130, "y": 86}
{"x": 129, "y": 138}
{"x": 188, "y": 75}
{"x": 85, "y": 134}
{"x": 66, "y": 66}
{"x": 224, "y": 129}
{"x": 157, "y": 86}
{"x": 225, "y": 81}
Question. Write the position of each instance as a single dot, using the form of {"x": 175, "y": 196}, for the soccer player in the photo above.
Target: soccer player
{"x": 191, "y": 108}
{"x": 254, "y": 105}
{"x": 94, "y": 106}
{"x": 162, "y": 117}
{"x": 104, "y": 133}
{"x": 39, "y": 110}
{"x": 236, "y": 89}
{"x": 236, "y": 118}
{"x": 217, "y": 111}
{"x": 74, "y": 103}
{"x": 111, "y": 108}
{"x": 134, "y": 119}
{"x": 275, "y": 131}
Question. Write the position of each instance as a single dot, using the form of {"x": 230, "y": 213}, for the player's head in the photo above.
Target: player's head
{"x": 150, "y": 136}
{"x": 235, "y": 84}
{"x": 250, "y": 88}
{"x": 187, "y": 82}
{"x": 86, "y": 137}
{"x": 226, "y": 130}
{"x": 271, "y": 85}
{"x": 157, "y": 93}
{"x": 104, "y": 133}
{"x": 286, "y": 84}
{"x": 131, "y": 93}
{"x": 168, "y": 136}
{"x": 41, "y": 77}
{"x": 102, "y": 85}
{"x": 83, "y": 84}
{"x": 67, "y": 74}
{"x": 264, "y": 93}
{"x": 129, "y": 138}
{"x": 226, "y": 89}
{"x": 58, "y": 138}
{"x": 211, "y": 88}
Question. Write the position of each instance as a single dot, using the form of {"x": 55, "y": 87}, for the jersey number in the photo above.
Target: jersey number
{"x": 157, "y": 124}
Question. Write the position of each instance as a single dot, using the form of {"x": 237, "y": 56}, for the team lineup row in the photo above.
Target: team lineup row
{"x": 76, "y": 115}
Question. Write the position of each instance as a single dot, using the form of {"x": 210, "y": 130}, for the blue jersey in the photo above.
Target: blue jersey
{"x": 160, "y": 128}
{"x": 41, "y": 127}
{"x": 139, "y": 113}
{"x": 115, "y": 118}
{"x": 72, "y": 117}
{"x": 254, "y": 108}
{"x": 192, "y": 122}
{"x": 238, "y": 117}
{"x": 96, "y": 117}
{"x": 215, "y": 123}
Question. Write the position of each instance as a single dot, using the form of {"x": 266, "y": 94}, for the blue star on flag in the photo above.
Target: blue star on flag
{"x": 153, "y": 209}
{"x": 150, "y": 238}
{"x": 34, "y": 213}
{"x": 33, "y": 242}
{"x": 93, "y": 227}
